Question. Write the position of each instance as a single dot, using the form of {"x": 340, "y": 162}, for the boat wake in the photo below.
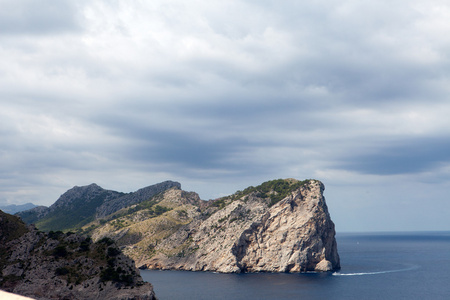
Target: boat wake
{"x": 376, "y": 273}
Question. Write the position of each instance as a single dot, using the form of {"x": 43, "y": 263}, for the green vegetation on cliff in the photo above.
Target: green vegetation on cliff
{"x": 274, "y": 190}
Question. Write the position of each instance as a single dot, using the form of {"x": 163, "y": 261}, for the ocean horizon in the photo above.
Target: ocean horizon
{"x": 374, "y": 265}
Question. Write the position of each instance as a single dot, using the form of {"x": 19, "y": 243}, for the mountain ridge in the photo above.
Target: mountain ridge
{"x": 85, "y": 204}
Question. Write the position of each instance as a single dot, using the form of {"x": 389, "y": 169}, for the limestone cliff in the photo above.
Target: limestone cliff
{"x": 279, "y": 226}
{"x": 60, "y": 265}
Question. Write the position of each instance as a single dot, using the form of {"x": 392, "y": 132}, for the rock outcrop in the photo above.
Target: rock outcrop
{"x": 58, "y": 265}
{"x": 279, "y": 226}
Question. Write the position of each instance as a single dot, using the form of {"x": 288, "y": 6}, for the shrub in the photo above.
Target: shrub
{"x": 109, "y": 274}
{"x": 106, "y": 240}
{"x": 61, "y": 271}
{"x": 220, "y": 203}
{"x": 112, "y": 251}
{"x": 60, "y": 251}
{"x": 223, "y": 219}
{"x": 159, "y": 210}
{"x": 116, "y": 275}
{"x": 55, "y": 235}
{"x": 85, "y": 245}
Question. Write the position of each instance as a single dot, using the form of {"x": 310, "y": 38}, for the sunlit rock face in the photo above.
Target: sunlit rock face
{"x": 246, "y": 232}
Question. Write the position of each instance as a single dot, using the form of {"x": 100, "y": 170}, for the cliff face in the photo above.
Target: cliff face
{"x": 64, "y": 266}
{"x": 280, "y": 226}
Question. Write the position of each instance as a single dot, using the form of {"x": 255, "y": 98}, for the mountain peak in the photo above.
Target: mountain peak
{"x": 85, "y": 203}
{"x": 87, "y": 193}
{"x": 89, "y": 187}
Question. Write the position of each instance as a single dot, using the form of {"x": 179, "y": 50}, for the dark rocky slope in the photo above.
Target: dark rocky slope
{"x": 58, "y": 265}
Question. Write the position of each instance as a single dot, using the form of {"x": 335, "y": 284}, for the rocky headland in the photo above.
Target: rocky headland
{"x": 279, "y": 226}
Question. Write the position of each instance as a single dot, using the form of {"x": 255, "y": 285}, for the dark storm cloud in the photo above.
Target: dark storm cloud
{"x": 37, "y": 17}
{"x": 183, "y": 149}
{"x": 192, "y": 140}
{"x": 408, "y": 156}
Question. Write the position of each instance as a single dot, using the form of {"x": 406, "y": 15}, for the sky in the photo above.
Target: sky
{"x": 221, "y": 95}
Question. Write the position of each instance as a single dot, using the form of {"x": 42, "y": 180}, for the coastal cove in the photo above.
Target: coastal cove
{"x": 402, "y": 265}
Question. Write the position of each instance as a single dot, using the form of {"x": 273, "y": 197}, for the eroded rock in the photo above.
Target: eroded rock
{"x": 247, "y": 232}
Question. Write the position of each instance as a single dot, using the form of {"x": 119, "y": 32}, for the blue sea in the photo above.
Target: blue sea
{"x": 413, "y": 265}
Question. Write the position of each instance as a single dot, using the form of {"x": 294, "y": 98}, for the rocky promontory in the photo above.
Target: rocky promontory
{"x": 279, "y": 226}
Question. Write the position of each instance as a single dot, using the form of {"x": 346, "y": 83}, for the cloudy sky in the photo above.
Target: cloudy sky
{"x": 220, "y": 95}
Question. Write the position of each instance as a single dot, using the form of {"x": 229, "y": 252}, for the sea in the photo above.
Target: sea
{"x": 400, "y": 265}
